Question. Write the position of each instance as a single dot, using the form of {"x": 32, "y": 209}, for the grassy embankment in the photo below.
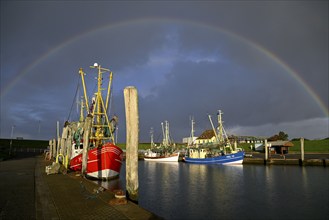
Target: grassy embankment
{"x": 316, "y": 146}
{"x": 310, "y": 146}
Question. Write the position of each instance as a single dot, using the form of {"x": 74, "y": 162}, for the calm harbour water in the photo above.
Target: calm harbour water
{"x": 190, "y": 191}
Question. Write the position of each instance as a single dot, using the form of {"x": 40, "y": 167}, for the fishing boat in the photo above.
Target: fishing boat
{"x": 104, "y": 158}
{"x": 103, "y": 163}
{"x": 220, "y": 152}
{"x": 161, "y": 157}
{"x": 165, "y": 152}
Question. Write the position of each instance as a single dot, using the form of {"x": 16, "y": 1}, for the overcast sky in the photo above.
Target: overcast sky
{"x": 263, "y": 63}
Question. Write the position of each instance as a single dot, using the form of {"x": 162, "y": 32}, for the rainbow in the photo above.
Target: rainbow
{"x": 292, "y": 73}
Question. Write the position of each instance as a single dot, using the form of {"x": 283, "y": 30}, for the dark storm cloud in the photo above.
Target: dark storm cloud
{"x": 186, "y": 64}
{"x": 296, "y": 31}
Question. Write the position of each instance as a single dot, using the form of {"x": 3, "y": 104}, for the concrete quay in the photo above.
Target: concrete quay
{"x": 308, "y": 162}
{"x": 27, "y": 192}
{"x": 311, "y": 159}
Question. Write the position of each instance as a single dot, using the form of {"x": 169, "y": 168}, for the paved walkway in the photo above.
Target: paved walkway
{"x": 17, "y": 189}
{"x": 28, "y": 193}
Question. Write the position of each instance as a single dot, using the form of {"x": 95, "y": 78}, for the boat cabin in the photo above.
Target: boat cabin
{"x": 197, "y": 153}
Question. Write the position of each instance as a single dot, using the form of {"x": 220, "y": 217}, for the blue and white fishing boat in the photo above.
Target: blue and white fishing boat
{"x": 220, "y": 152}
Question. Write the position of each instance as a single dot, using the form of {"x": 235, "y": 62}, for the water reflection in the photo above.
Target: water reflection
{"x": 197, "y": 188}
{"x": 281, "y": 189}
{"x": 159, "y": 180}
{"x": 190, "y": 191}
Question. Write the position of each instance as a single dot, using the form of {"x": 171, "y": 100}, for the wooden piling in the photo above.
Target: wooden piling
{"x": 50, "y": 148}
{"x": 68, "y": 146}
{"x": 54, "y": 148}
{"x": 58, "y": 140}
{"x": 63, "y": 140}
{"x": 266, "y": 151}
{"x": 86, "y": 133}
{"x": 302, "y": 148}
{"x": 132, "y": 130}
{"x": 301, "y": 162}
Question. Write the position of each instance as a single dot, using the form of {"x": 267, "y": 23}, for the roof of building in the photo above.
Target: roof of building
{"x": 208, "y": 134}
{"x": 281, "y": 143}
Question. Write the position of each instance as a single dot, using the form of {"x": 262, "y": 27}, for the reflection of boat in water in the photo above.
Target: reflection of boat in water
{"x": 104, "y": 158}
{"x": 217, "y": 154}
{"x": 164, "y": 153}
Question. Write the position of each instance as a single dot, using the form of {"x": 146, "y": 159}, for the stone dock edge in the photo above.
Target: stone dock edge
{"x": 308, "y": 162}
{"x": 71, "y": 196}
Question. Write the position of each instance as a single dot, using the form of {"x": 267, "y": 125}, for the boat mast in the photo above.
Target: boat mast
{"x": 108, "y": 92}
{"x": 167, "y": 132}
{"x": 213, "y": 128}
{"x": 152, "y": 142}
{"x": 220, "y": 126}
{"x": 222, "y": 133}
{"x": 163, "y": 134}
{"x": 192, "y": 132}
{"x": 82, "y": 74}
{"x": 101, "y": 126}
{"x": 81, "y": 111}
{"x": 101, "y": 108}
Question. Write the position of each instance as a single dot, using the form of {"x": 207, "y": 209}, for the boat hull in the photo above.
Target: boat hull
{"x": 235, "y": 158}
{"x": 102, "y": 163}
{"x": 171, "y": 158}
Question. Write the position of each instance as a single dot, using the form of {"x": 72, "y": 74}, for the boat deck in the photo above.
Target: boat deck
{"x": 27, "y": 192}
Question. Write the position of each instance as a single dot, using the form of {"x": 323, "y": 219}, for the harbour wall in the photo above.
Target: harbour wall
{"x": 307, "y": 162}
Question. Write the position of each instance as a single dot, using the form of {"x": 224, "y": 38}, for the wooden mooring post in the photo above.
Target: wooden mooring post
{"x": 132, "y": 130}
{"x": 69, "y": 146}
{"x": 266, "y": 151}
{"x": 63, "y": 144}
{"x": 54, "y": 152}
{"x": 58, "y": 142}
{"x": 301, "y": 161}
{"x": 86, "y": 133}
{"x": 50, "y": 148}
